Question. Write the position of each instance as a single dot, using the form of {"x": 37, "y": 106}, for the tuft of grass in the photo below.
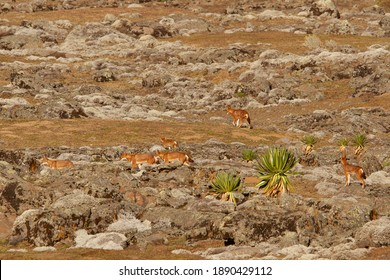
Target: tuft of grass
{"x": 385, "y": 4}
{"x": 241, "y": 94}
{"x": 249, "y": 155}
{"x": 274, "y": 168}
{"x": 386, "y": 163}
{"x": 309, "y": 141}
{"x": 312, "y": 42}
{"x": 331, "y": 44}
{"x": 343, "y": 143}
{"x": 360, "y": 142}
{"x": 226, "y": 184}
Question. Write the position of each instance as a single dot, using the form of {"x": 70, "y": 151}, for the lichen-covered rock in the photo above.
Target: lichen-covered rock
{"x": 130, "y": 225}
{"x": 374, "y": 234}
{"x": 60, "y": 221}
{"x": 105, "y": 241}
{"x": 324, "y": 7}
{"x": 14, "y": 42}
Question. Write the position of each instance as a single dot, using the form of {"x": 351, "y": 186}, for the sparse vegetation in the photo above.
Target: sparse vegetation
{"x": 385, "y": 4}
{"x": 343, "y": 143}
{"x": 94, "y": 132}
{"x": 177, "y": 67}
{"x": 226, "y": 184}
{"x": 309, "y": 141}
{"x": 331, "y": 44}
{"x": 360, "y": 141}
{"x": 312, "y": 42}
{"x": 249, "y": 155}
{"x": 274, "y": 168}
{"x": 386, "y": 163}
{"x": 241, "y": 94}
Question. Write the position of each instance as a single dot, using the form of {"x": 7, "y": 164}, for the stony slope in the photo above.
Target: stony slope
{"x": 86, "y": 83}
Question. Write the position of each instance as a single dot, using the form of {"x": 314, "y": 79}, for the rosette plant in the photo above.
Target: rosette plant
{"x": 309, "y": 141}
{"x": 226, "y": 184}
{"x": 343, "y": 143}
{"x": 249, "y": 155}
{"x": 360, "y": 141}
{"x": 274, "y": 169}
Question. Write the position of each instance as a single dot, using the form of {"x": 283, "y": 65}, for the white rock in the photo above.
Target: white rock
{"x": 44, "y": 249}
{"x": 135, "y": 6}
{"x": 270, "y": 14}
{"x": 105, "y": 241}
{"x": 130, "y": 224}
{"x": 379, "y": 178}
{"x": 15, "y": 101}
{"x": 374, "y": 234}
{"x": 17, "y": 251}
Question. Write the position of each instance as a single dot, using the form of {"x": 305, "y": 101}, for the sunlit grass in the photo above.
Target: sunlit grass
{"x": 103, "y": 133}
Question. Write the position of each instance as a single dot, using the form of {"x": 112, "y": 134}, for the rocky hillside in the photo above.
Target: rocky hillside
{"x": 88, "y": 80}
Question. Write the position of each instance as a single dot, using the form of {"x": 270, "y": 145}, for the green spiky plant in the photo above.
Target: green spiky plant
{"x": 309, "y": 141}
{"x": 360, "y": 141}
{"x": 241, "y": 94}
{"x": 274, "y": 168}
{"x": 249, "y": 155}
{"x": 343, "y": 144}
{"x": 226, "y": 184}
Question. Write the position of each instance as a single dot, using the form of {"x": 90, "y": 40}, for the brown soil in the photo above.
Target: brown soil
{"x": 133, "y": 252}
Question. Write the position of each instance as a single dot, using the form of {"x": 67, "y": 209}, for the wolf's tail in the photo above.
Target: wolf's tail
{"x": 249, "y": 121}
{"x": 361, "y": 171}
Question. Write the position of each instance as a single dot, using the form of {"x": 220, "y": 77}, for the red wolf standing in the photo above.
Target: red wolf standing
{"x": 239, "y": 116}
{"x": 349, "y": 168}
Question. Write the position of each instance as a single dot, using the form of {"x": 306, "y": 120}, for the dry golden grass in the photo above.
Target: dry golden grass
{"x": 4, "y": 78}
{"x": 19, "y": 134}
{"x": 274, "y": 40}
{"x": 224, "y": 75}
{"x": 83, "y": 15}
{"x": 385, "y": 4}
{"x": 76, "y": 16}
{"x": 100, "y": 133}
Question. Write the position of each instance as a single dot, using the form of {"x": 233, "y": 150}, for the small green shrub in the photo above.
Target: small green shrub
{"x": 274, "y": 167}
{"x": 343, "y": 143}
{"x": 241, "y": 94}
{"x": 386, "y": 163}
{"x": 226, "y": 184}
{"x": 360, "y": 141}
{"x": 309, "y": 141}
{"x": 249, "y": 155}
